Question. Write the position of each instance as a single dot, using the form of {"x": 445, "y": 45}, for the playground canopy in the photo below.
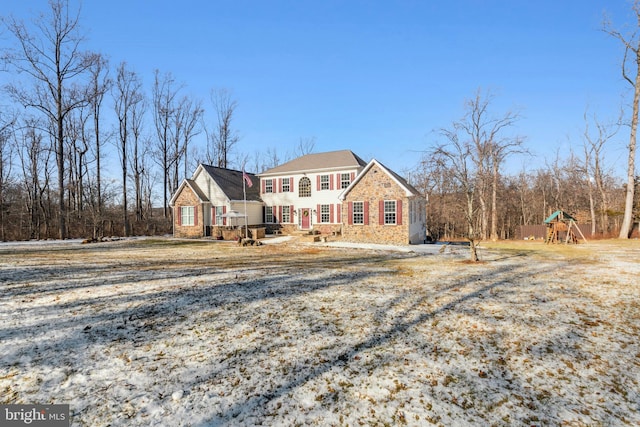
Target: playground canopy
{"x": 559, "y": 216}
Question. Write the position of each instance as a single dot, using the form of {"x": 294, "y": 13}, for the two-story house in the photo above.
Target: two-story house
{"x": 304, "y": 193}
{"x": 331, "y": 193}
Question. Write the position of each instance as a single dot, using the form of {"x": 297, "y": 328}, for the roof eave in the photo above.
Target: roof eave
{"x": 309, "y": 171}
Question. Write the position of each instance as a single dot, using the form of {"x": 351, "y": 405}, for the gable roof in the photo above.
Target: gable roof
{"x": 315, "y": 162}
{"x": 193, "y": 186}
{"x": 230, "y": 182}
{"x": 409, "y": 189}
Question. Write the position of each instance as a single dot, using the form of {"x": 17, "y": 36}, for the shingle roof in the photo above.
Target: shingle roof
{"x": 318, "y": 162}
{"x": 230, "y": 182}
{"x": 203, "y": 197}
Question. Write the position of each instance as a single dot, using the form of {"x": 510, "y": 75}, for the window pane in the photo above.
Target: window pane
{"x": 186, "y": 215}
{"x": 389, "y": 211}
{"x": 324, "y": 182}
{"x": 268, "y": 214}
{"x": 304, "y": 187}
{"x": 325, "y": 213}
{"x": 358, "y": 212}
{"x": 345, "y": 180}
{"x": 219, "y": 219}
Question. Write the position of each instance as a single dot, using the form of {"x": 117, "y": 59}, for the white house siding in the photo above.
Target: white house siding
{"x": 218, "y": 198}
{"x": 417, "y": 225}
{"x": 211, "y": 189}
{"x": 254, "y": 212}
{"x": 319, "y": 197}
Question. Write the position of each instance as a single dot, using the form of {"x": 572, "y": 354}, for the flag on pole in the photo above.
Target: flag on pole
{"x": 246, "y": 178}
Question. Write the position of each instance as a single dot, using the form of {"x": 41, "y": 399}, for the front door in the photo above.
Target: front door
{"x": 305, "y": 214}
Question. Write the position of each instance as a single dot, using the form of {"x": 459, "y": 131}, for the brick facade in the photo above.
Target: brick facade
{"x": 374, "y": 187}
{"x": 188, "y": 198}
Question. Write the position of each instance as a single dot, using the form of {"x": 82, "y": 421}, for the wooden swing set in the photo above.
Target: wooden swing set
{"x": 561, "y": 226}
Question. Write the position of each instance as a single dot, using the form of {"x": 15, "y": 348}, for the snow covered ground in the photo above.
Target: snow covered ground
{"x": 204, "y": 333}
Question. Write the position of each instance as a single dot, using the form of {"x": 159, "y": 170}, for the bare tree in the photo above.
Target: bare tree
{"x": 434, "y": 180}
{"x": 164, "y": 94}
{"x": 6, "y": 153}
{"x": 631, "y": 74}
{"x": 526, "y": 197}
{"x": 187, "y": 114}
{"x": 500, "y": 149}
{"x": 127, "y": 96}
{"x": 50, "y": 54}
{"x": 35, "y": 160}
{"x": 100, "y": 83}
{"x": 271, "y": 159}
{"x": 305, "y": 146}
{"x": 489, "y": 147}
{"x": 140, "y": 150}
{"x": 223, "y": 138}
{"x": 77, "y": 149}
{"x": 476, "y": 128}
{"x": 593, "y": 147}
{"x": 456, "y": 155}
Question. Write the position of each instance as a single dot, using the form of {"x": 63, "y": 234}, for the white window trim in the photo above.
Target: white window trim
{"x": 286, "y": 214}
{"x": 361, "y": 213}
{"x": 218, "y": 215}
{"x": 268, "y": 212}
{"x": 344, "y": 183}
{"x": 324, "y": 182}
{"x": 187, "y": 216}
{"x": 325, "y": 212}
{"x": 393, "y": 212}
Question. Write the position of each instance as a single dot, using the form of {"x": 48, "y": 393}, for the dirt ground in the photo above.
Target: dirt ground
{"x": 204, "y": 333}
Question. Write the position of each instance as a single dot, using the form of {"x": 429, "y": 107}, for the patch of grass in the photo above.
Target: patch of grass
{"x": 539, "y": 249}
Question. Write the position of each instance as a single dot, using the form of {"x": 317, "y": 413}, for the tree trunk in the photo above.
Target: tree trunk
{"x": 484, "y": 217}
{"x": 592, "y": 208}
{"x": 494, "y": 203}
{"x": 62, "y": 225}
{"x": 627, "y": 221}
{"x": 125, "y": 213}
{"x": 97, "y": 231}
{"x": 471, "y": 237}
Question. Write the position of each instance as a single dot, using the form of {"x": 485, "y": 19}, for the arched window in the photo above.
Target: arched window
{"x": 304, "y": 187}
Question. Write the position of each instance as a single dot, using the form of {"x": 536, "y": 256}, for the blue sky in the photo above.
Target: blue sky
{"x": 376, "y": 77}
